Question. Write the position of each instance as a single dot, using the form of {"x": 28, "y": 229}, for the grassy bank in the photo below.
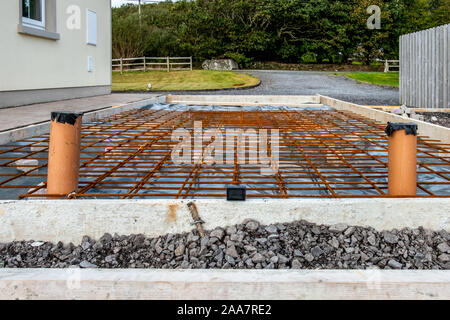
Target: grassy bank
{"x": 379, "y": 78}
{"x": 180, "y": 80}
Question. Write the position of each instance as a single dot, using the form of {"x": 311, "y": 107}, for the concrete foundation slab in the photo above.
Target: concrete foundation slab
{"x": 94, "y": 108}
{"x": 23, "y": 97}
{"x": 25, "y": 115}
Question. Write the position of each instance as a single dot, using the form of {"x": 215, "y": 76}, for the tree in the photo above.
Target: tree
{"x": 281, "y": 30}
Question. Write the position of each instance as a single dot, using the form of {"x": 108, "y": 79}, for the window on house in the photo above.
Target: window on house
{"x": 33, "y": 13}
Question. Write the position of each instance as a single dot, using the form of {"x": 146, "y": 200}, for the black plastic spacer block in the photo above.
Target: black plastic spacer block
{"x": 236, "y": 193}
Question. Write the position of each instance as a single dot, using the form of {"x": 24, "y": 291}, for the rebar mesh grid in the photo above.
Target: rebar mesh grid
{"x": 321, "y": 154}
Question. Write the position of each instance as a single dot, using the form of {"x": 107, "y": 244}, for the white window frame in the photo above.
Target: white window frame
{"x": 35, "y": 23}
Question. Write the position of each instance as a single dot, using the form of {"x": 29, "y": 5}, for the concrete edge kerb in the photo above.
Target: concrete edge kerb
{"x": 223, "y": 284}
{"x": 424, "y": 128}
{"x": 70, "y": 220}
{"x": 244, "y": 100}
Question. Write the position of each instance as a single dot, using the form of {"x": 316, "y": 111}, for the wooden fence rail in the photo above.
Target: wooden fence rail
{"x": 425, "y": 68}
{"x": 389, "y": 64}
{"x": 151, "y": 63}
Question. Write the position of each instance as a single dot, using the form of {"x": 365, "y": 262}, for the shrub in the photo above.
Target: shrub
{"x": 241, "y": 59}
{"x": 308, "y": 57}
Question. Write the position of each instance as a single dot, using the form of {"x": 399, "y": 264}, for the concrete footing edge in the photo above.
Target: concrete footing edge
{"x": 32, "y": 284}
{"x": 70, "y": 220}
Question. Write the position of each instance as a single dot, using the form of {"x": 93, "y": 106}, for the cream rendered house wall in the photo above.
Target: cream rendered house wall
{"x": 36, "y": 68}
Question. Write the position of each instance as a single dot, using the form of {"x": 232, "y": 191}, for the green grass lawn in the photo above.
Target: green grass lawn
{"x": 180, "y": 80}
{"x": 380, "y": 78}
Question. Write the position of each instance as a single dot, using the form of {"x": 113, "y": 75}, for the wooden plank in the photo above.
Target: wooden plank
{"x": 416, "y": 71}
{"x": 438, "y": 68}
{"x": 411, "y": 66}
{"x": 412, "y": 89}
{"x": 420, "y": 80}
{"x": 446, "y": 67}
{"x": 179, "y": 58}
{"x": 427, "y": 66}
{"x": 433, "y": 62}
{"x": 128, "y": 59}
{"x": 36, "y": 284}
{"x": 407, "y": 69}
{"x": 401, "y": 73}
{"x": 157, "y": 63}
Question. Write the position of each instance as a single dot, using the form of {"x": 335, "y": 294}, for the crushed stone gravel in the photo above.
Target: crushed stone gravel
{"x": 250, "y": 245}
{"x": 439, "y": 118}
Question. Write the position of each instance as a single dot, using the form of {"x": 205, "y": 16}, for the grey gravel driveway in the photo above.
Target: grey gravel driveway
{"x": 313, "y": 82}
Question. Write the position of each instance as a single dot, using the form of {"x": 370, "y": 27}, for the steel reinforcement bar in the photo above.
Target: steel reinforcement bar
{"x": 331, "y": 154}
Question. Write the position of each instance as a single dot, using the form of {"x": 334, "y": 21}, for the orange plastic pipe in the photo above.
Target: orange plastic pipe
{"x": 402, "y": 159}
{"x": 64, "y": 154}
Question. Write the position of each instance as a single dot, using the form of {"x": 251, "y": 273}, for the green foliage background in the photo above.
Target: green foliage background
{"x": 297, "y": 31}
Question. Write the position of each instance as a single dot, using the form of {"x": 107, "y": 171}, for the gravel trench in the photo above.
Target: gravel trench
{"x": 297, "y": 245}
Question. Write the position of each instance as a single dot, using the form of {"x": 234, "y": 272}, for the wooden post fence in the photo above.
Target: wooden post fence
{"x": 152, "y": 63}
{"x": 389, "y": 64}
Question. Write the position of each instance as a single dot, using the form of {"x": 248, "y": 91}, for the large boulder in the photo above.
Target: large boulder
{"x": 220, "y": 64}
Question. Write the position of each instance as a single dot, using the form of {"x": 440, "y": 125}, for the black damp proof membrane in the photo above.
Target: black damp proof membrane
{"x": 410, "y": 128}
{"x": 236, "y": 193}
{"x": 65, "y": 117}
